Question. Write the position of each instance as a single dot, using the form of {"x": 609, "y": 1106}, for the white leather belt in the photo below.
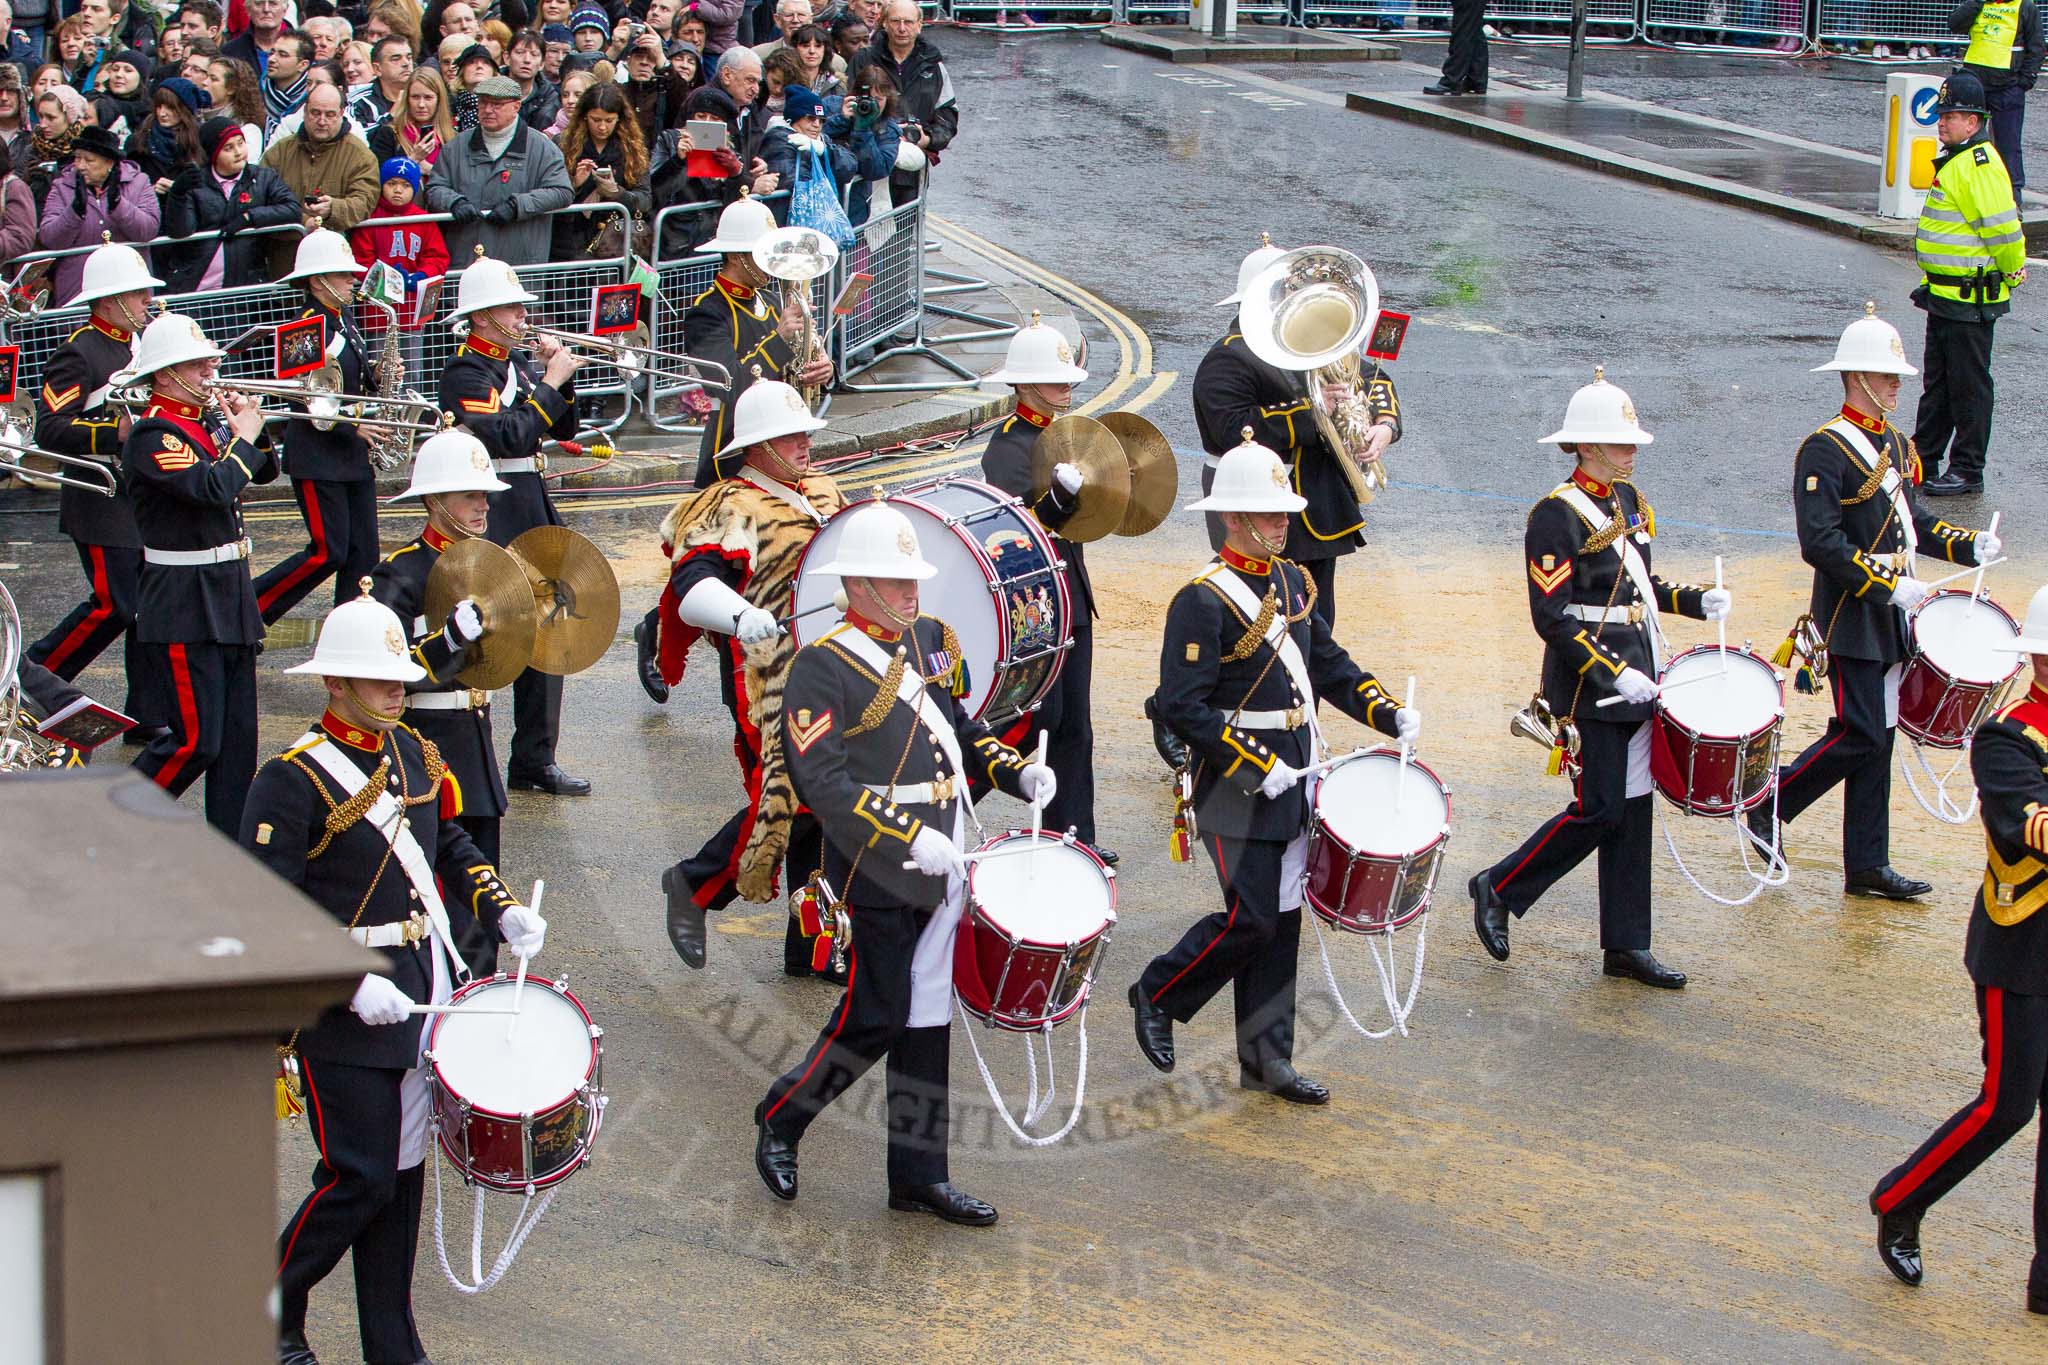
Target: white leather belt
{"x": 917, "y": 793}
{"x": 528, "y": 465}
{"x": 1293, "y": 718}
{"x": 406, "y": 933}
{"x": 219, "y": 554}
{"x": 467, "y": 699}
{"x": 1633, "y": 614}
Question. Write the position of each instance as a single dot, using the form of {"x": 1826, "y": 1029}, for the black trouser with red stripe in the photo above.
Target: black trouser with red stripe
{"x": 872, "y": 1022}
{"x": 211, "y": 700}
{"x": 1604, "y": 818}
{"x": 114, "y": 573}
{"x": 361, "y": 1202}
{"x": 1856, "y": 751}
{"x": 1249, "y": 943}
{"x": 1070, "y": 728}
{"x": 712, "y": 871}
{"x": 2015, "y": 1032}
{"x": 341, "y": 522}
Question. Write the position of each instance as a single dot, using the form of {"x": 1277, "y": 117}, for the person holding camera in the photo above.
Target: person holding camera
{"x": 607, "y": 159}
{"x": 652, "y": 88}
{"x": 866, "y": 126}
{"x": 928, "y": 117}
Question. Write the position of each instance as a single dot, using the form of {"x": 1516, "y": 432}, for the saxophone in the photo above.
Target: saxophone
{"x": 390, "y": 446}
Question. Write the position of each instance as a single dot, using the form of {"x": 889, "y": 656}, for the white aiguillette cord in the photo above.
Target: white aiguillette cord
{"x": 530, "y": 1213}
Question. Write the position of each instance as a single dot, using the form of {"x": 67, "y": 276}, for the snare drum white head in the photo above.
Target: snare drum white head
{"x": 1746, "y": 701}
{"x": 542, "y": 1065}
{"x": 1958, "y": 636}
{"x": 1356, "y": 802}
{"x": 1053, "y": 894}
{"x": 958, "y": 594}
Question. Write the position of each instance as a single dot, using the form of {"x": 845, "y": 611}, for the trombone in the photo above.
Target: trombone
{"x": 634, "y": 355}
{"x": 16, "y": 455}
{"x": 319, "y": 393}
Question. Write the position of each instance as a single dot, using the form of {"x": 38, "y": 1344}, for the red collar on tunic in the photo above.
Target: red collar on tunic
{"x": 732, "y": 288}
{"x": 105, "y": 328}
{"x": 434, "y": 539}
{"x": 1874, "y": 425}
{"x": 369, "y": 741}
{"x": 1591, "y": 484}
{"x": 161, "y": 403}
{"x": 1245, "y": 563}
{"x": 485, "y": 348}
{"x": 870, "y": 629}
{"x": 2038, "y": 694}
{"x": 1037, "y": 419}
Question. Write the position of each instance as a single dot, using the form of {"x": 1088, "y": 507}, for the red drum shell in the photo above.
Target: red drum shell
{"x": 1716, "y": 774}
{"x": 1369, "y": 892}
{"x": 1936, "y": 708}
{"x": 1008, "y": 979}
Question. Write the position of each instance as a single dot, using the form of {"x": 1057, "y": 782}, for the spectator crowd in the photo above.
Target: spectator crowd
{"x": 424, "y": 133}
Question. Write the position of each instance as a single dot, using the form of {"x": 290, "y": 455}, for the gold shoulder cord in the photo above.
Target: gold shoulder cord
{"x": 877, "y": 710}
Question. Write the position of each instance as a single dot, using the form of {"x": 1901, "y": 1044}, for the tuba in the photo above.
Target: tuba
{"x": 1310, "y": 311}
{"x": 797, "y": 255}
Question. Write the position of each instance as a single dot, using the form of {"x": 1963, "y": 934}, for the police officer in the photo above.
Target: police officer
{"x": 1235, "y": 389}
{"x": 2005, "y": 55}
{"x": 198, "y": 619}
{"x": 881, "y": 752}
{"x": 330, "y": 470}
{"x": 1971, "y": 251}
{"x": 1040, "y": 368}
{"x": 451, "y": 476}
{"x": 2006, "y": 953}
{"x": 1594, "y": 601}
{"x": 73, "y": 418}
{"x": 1243, "y": 664}
{"x": 1860, "y": 526}
{"x": 512, "y": 405}
{"x": 735, "y": 548}
{"x": 356, "y": 814}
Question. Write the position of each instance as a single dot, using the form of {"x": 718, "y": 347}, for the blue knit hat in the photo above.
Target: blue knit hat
{"x": 190, "y": 95}
{"x": 400, "y": 168}
{"x": 590, "y": 17}
{"x": 798, "y": 102}
{"x": 556, "y": 33}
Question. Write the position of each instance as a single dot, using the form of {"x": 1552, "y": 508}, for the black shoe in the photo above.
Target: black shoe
{"x": 1439, "y": 88}
{"x": 1898, "y": 1244}
{"x": 139, "y": 735}
{"x": 776, "y": 1161}
{"x": 1489, "y": 917}
{"x": 1108, "y": 855}
{"x": 293, "y": 1350}
{"x": 651, "y": 681}
{"x": 685, "y": 920}
{"x": 1639, "y": 964}
{"x": 551, "y": 780}
{"x": 1951, "y": 485}
{"x": 945, "y": 1201}
{"x": 1884, "y": 884}
{"x": 1281, "y": 1080}
{"x": 2037, "y": 1300}
{"x": 1155, "y": 1030}
{"x": 1172, "y": 748}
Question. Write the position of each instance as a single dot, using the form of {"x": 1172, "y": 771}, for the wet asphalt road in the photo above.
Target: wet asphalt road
{"x": 1553, "y": 1164}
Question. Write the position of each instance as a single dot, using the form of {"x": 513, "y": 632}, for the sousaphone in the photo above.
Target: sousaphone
{"x": 549, "y": 600}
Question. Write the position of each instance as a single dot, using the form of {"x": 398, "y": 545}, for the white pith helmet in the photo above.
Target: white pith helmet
{"x": 324, "y": 253}
{"x": 170, "y": 340}
{"x": 1869, "y": 345}
{"x": 879, "y": 542}
{"x": 488, "y": 283}
{"x": 1038, "y": 354}
{"x": 744, "y": 222}
{"x": 1250, "y": 478}
{"x": 767, "y": 409}
{"x": 452, "y": 462}
{"x": 362, "y": 639}
{"x": 115, "y": 268}
{"x": 1248, "y": 269}
{"x": 1600, "y": 414}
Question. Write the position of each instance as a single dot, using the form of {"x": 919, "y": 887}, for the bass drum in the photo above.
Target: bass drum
{"x": 999, "y": 586}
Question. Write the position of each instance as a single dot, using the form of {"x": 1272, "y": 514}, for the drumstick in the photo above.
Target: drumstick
{"x": 1965, "y": 573}
{"x": 1401, "y": 773}
{"x": 1721, "y": 625}
{"x": 1977, "y": 588}
{"x": 458, "y": 1009}
{"x": 838, "y": 603}
{"x": 519, "y": 981}
{"x": 1332, "y": 762}
{"x": 1617, "y": 699}
{"x": 1037, "y": 811}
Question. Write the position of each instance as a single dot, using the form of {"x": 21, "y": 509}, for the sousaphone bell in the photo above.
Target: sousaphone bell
{"x": 549, "y": 600}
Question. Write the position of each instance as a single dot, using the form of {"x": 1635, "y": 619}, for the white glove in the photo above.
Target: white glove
{"x": 1635, "y": 685}
{"x": 524, "y": 932}
{"x": 1988, "y": 546}
{"x": 1279, "y": 781}
{"x": 1716, "y": 603}
{"x": 1909, "y": 593}
{"x": 935, "y": 855}
{"x": 1068, "y": 477}
{"x": 754, "y": 626}
{"x": 1038, "y": 783}
{"x": 1408, "y": 726}
{"x": 466, "y": 623}
{"x": 379, "y": 1001}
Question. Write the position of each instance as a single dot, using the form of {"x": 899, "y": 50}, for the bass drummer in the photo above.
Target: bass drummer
{"x": 1594, "y": 602}
{"x": 1860, "y": 525}
{"x": 1245, "y": 660}
{"x": 317, "y": 816}
{"x": 880, "y": 749}
{"x": 1040, "y": 368}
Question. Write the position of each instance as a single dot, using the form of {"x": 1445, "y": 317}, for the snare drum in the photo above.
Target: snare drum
{"x": 999, "y": 586}
{"x": 1037, "y": 924}
{"x": 1714, "y": 742}
{"x": 1372, "y": 860}
{"x": 1957, "y": 673}
{"x": 522, "y": 1113}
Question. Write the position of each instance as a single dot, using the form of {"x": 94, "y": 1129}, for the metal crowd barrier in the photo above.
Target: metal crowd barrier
{"x": 1728, "y": 25}
{"x": 1754, "y": 26}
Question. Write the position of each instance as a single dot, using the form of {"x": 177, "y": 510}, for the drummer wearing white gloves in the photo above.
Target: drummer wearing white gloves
{"x": 880, "y": 750}
{"x": 1595, "y": 602}
{"x": 315, "y": 816}
{"x": 1862, "y": 528}
{"x": 1246, "y": 657}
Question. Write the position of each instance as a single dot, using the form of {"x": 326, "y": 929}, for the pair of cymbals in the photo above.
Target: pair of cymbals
{"x": 549, "y": 602}
{"x": 1128, "y": 478}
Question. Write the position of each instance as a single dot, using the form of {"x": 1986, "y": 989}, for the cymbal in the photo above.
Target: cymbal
{"x": 1155, "y": 477}
{"x": 1105, "y": 473}
{"x": 575, "y": 598}
{"x": 496, "y": 582}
